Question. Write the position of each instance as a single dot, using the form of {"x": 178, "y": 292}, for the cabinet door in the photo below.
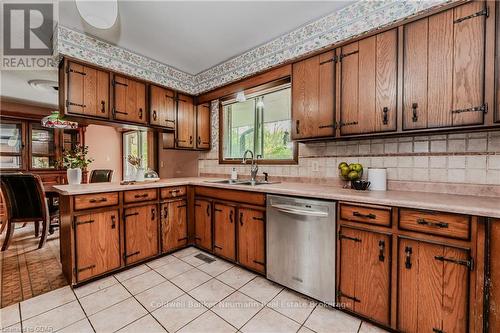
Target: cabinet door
{"x": 494, "y": 312}
{"x": 368, "y": 85}
{"x": 88, "y": 91}
{"x": 185, "y": 122}
{"x": 129, "y": 100}
{"x": 203, "y": 223}
{"x": 365, "y": 259}
{"x": 174, "y": 225}
{"x": 251, "y": 239}
{"x": 157, "y": 105}
{"x": 313, "y": 112}
{"x": 141, "y": 233}
{"x": 97, "y": 243}
{"x": 203, "y": 126}
{"x": 444, "y": 69}
{"x": 432, "y": 287}
{"x": 224, "y": 231}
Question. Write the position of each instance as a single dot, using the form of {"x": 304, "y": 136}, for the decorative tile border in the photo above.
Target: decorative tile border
{"x": 354, "y": 20}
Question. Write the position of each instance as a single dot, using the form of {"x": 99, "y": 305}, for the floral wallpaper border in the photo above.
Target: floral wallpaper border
{"x": 353, "y": 20}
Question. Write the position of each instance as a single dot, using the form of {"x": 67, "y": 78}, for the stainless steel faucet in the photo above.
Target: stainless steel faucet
{"x": 254, "y": 168}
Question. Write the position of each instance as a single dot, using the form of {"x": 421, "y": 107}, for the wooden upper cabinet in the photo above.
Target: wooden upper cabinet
{"x": 313, "y": 112}
{"x": 432, "y": 287}
{"x": 225, "y": 231}
{"x": 174, "y": 225}
{"x": 365, "y": 266}
{"x": 203, "y": 126}
{"x": 129, "y": 100}
{"x": 443, "y": 82}
{"x": 162, "y": 107}
{"x": 368, "y": 84}
{"x": 252, "y": 239}
{"x": 203, "y": 223}
{"x": 185, "y": 122}
{"x": 87, "y": 91}
{"x": 97, "y": 243}
{"x": 141, "y": 232}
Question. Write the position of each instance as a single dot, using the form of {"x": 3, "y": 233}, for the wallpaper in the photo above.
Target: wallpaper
{"x": 356, "y": 19}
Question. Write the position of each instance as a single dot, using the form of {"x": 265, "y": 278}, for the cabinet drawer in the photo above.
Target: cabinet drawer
{"x": 95, "y": 200}
{"x": 377, "y": 215}
{"x": 172, "y": 192}
{"x": 140, "y": 195}
{"x": 436, "y": 223}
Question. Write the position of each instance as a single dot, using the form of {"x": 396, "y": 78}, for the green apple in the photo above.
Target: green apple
{"x": 341, "y": 165}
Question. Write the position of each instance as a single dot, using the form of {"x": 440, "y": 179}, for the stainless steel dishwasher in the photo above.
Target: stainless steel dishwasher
{"x": 301, "y": 245}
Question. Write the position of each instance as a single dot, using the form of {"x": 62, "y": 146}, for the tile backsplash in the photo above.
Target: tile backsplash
{"x": 465, "y": 158}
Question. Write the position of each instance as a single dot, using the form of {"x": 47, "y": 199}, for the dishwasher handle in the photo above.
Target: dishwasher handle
{"x": 303, "y": 212}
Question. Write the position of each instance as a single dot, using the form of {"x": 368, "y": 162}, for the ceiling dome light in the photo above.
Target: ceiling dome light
{"x": 99, "y": 14}
{"x": 47, "y": 85}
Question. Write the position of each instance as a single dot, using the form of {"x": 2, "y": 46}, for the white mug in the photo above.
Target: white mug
{"x": 378, "y": 179}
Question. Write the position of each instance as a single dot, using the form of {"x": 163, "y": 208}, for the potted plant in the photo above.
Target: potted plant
{"x": 74, "y": 161}
{"x": 136, "y": 162}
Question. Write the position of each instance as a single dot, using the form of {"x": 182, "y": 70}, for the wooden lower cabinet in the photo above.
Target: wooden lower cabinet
{"x": 97, "y": 238}
{"x": 224, "y": 231}
{"x": 494, "y": 278}
{"x": 203, "y": 223}
{"x": 365, "y": 266}
{"x": 141, "y": 232}
{"x": 173, "y": 225}
{"x": 251, "y": 239}
{"x": 432, "y": 288}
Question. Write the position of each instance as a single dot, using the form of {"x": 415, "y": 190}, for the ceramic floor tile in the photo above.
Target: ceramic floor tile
{"x": 82, "y": 326}
{"x": 117, "y": 316}
{"x": 292, "y": 305}
{"x": 142, "y": 282}
{"x": 159, "y": 295}
{"x": 328, "y": 320}
{"x": 104, "y": 298}
{"x": 211, "y": 292}
{"x": 178, "y": 312}
{"x": 171, "y": 270}
{"x": 162, "y": 261}
{"x": 185, "y": 252}
{"x": 236, "y": 277}
{"x": 45, "y": 302}
{"x": 261, "y": 289}
{"x": 304, "y": 329}
{"x": 270, "y": 321}
{"x": 145, "y": 324}
{"x": 9, "y": 315}
{"x": 216, "y": 267}
{"x": 237, "y": 309}
{"x": 131, "y": 272}
{"x": 55, "y": 319}
{"x": 369, "y": 328}
{"x": 92, "y": 287}
{"x": 16, "y": 328}
{"x": 206, "y": 323}
{"x": 190, "y": 279}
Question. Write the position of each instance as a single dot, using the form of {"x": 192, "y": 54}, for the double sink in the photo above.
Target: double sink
{"x": 241, "y": 182}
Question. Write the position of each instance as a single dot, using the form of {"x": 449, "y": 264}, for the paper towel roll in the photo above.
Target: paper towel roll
{"x": 378, "y": 179}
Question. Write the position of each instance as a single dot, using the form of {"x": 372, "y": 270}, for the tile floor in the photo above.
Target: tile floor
{"x": 178, "y": 293}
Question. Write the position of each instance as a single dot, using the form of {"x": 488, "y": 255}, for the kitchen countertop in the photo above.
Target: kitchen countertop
{"x": 463, "y": 204}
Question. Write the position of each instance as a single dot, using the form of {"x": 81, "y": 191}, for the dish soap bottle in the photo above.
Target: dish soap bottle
{"x": 234, "y": 174}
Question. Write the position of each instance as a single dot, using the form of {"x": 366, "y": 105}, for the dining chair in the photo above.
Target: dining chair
{"x": 25, "y": 202}
{"x": 101, "y": 176}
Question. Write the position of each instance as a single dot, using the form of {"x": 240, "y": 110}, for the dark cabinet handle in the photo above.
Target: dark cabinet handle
{"x": 208, "y": 209}
{"x": 198, "y": 142}
{"x": 137, "y": 196}
{"x": 241, "y": 218}
{"x": 408, "y": 251}
{"x": 113, "y": 222}
{"x": 381, "y": 248}
{"x": 153, "y": 214}
{"x": 190, "y": 139}
{"x": 98, "y": 200}
{"x": 231, "y": 216}
{"x": 414, "y": 108}
{"x": 385, "y": 119}
{"x": 103, "y": 106}
{"x": 140, "y": 113}
{"x": 165, "y": 212}
{"x": 154, "y": 114}
{"x": 297, "y": 123}
{"x": 432, "y": 224}
{"x": 366, "y": 216}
